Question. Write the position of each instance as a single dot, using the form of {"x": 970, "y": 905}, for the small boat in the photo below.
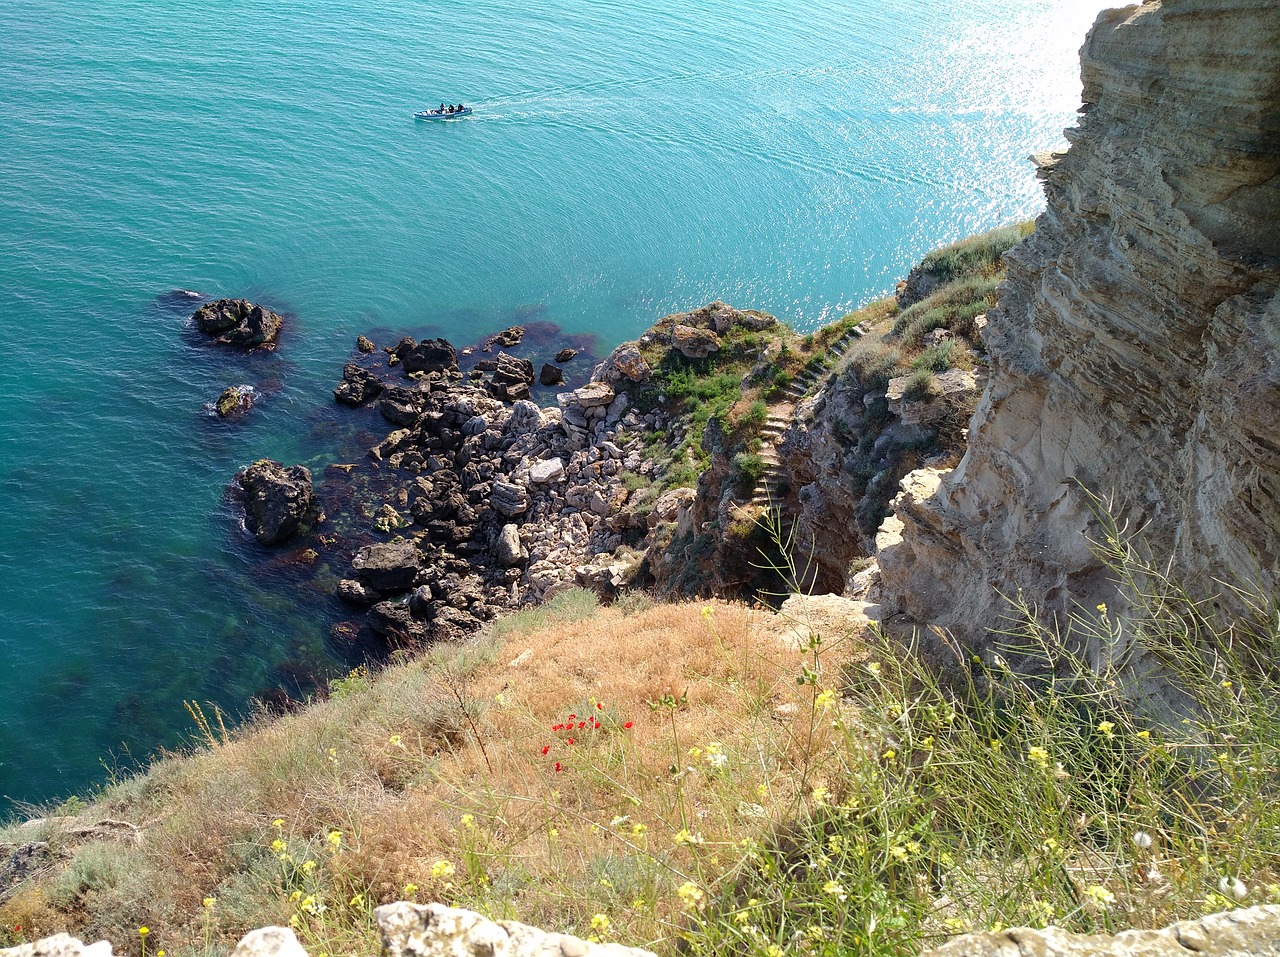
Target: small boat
{"x": 442, "y": 114}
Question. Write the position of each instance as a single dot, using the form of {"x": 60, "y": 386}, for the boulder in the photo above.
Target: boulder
{"x": 593, "y": 395}
{"x": 1248, "y": 932}
{"x": 509, "y": 551}
{"x": 550, "y": 375}
{"x": 429, "y": 355}
{"x": 395, "y": 622}
{"x": 269, "y": 942}
{"x": 546, "y": 471}
{"x": 525, "y": 417}
{"x": 355, "y": 592}
{"x": 402, "y": 404}
{"x": 358, "y": 386}
{"x": 508, "y": 499}
{"x": 239, "y": 323}
{"x": 364, "y": 344}
{"x": 235, "y": 400}
{"x": 278, "y": 501}
{"x": 388, "y": 566}
{"x": 624, "y": 362}
{"x": 512, "y": 378}
{"x": 694, "y": 343}
{"x": 564, "y": 355}
{"x": 435, "y": 930}
{"x": 507, "y": 338}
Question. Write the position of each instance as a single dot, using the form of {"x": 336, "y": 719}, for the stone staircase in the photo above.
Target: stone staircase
{"x": 782, "y": 416}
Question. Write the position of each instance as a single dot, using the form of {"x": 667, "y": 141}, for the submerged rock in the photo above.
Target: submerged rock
{"x": 278, "y": 501}
{"x": 550, "y": 375}
{"x": 564, "y": 355}
{"x": 239, "y": 323}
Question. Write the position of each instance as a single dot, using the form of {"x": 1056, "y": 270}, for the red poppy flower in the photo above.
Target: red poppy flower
{"x": 599, "y": 705}
{"x": 569, "y": 741}
{"x": 573, "y": 717}
{"x": 558, "y": 768}
{"x": 582, "y": 724}
{"x": 545, "y": 749}
{"x": 628, "y": 724}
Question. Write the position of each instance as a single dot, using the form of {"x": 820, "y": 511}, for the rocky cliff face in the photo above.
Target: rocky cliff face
{"x": 1135, "y": 354}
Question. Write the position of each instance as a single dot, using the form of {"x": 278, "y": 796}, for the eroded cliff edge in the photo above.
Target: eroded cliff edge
{"x": 1135, "y": 353}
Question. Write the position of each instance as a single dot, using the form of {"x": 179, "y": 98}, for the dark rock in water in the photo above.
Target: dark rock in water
{"x": 358, "y": 386}
{"x": 564, "y": 355}
{"x": 487, "y": 365}
{"x": 389, "y": 567}
{"x": 365, "y": 344}
{"x": 239, "y": 322}
{"x": 235, "y": 400}
{"x": 278, "y": 501}
{"x": 429, "y": 355}
{"x": 506, "y": 338}
{"x": 550, "y": 375}
{"x": 512, "y": 378}
{"x": 355, "y": 592}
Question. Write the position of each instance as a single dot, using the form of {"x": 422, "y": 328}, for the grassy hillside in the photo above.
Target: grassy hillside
{"x": 706, "y": 776}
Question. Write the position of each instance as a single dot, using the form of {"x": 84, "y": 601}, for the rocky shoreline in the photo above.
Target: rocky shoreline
{"x": 475, "y": 500}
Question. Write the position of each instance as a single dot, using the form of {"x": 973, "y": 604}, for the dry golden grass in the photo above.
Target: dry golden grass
{"x": 435, "y": 776}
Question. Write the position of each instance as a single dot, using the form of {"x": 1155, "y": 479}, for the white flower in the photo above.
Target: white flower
{"x": 1233, "y": 887}
{"x": 1142, "y": 839}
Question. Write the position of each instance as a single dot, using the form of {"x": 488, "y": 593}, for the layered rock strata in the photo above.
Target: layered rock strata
{"x": 1135, "y": 354}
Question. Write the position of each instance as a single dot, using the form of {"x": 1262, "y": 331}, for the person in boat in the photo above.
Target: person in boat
{"x": 441, "y": 110}
{"x": 460, "y": 107}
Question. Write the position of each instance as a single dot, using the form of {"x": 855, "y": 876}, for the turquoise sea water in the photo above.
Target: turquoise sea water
{"x": 624, "y": 161}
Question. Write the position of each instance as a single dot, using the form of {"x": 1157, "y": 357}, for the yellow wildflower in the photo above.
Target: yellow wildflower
{"x": 143, "y": 931}
{"x": 308, "y": 866}
{"x": 1107, "y": 729}
{"x": 334, "y": 839}
{"x": 469, "y": 822}
{"x": 410, "y": 889}
{"x": 600, "y": 923}
{"x": 442, "y": 869}
{"x": 825, "y": 698}
{"x": 395, "y": 740}
{"x": 691, "y": 894}
{"x": 835, "y": 889}
{"x": 208, "y": 902}
{"x": 1038, "y": 756}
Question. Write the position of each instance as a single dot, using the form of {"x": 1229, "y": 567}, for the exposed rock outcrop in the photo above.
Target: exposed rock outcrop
{"x": 436, "y": 930}
{"x": 1251, "y": 932}
{"x": 1135, "y": 353}
{"x": 239, "y": 323}
{"x": 234, "y": 401}
{"x": 278, "y": 501}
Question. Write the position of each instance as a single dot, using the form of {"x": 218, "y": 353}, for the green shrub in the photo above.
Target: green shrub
{"x": 935, "y": 358}
{"x": 975, "y": 254}
{"x": 921, "y": 385}
{"x": 750, "y": 466}
{"x": 873, "y": 362}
